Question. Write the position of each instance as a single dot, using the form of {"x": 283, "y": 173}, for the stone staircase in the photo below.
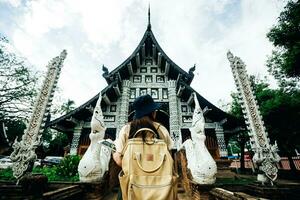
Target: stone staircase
{"x": 182, "y": 195}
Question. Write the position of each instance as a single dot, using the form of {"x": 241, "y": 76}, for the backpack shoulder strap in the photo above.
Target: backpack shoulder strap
{"x": 158, "y": 127}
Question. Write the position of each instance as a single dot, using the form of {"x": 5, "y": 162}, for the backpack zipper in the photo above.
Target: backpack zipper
{"x": 149, "y": 186}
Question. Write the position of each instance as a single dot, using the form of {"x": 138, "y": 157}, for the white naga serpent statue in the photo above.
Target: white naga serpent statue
{"x": 201, "y": 164}
{"x": 95, "y": 161}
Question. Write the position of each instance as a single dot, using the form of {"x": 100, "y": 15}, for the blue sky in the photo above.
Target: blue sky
{"x": 97, "y": 32}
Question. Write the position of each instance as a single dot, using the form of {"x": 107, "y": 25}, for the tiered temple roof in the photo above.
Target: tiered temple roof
{"x": 148, "y": 47}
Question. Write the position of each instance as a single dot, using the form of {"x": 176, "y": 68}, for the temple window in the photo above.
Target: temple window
{"x": 143, "y": 91}
{"x": 148, "y": 62}
{"x": 165, "y": 93}
{"x": 137, "y": 79}
{"x": 132, "y": 93}
{"x": 154, "y": 93}
{"x": 153, "y": 69}
{"x": 160, "y": 79}
{"x": 148, "y": 79}
{"x": 143, "y": 69}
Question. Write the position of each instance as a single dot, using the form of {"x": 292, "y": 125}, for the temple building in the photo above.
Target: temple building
{"x": 148, "y": 70}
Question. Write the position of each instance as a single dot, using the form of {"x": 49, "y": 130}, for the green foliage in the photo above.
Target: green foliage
{"x": 15, "y": 128}
{"x": 285, "y": 60}
{"x": 281, "y": 113}
{"x": 236, "y": 109}
{"x": 17, "y": 90}
{"x": 51, "y": 172}
{"x": 69, "y": 166}
{"x": 7, "y": 175}
{"x": 67, "y": 106}
{"x": 233, "y": 147}
{"x": 56, "y": 140}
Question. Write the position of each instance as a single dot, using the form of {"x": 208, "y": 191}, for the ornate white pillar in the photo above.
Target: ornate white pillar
{"x": 76, "y": 137}
{"x": 174, "y": 114}
{"x": 221, "y": 141}
{"x": 123, "y": 111}
{"x": 24, "y": 154}
{"x": 265, "y": 156}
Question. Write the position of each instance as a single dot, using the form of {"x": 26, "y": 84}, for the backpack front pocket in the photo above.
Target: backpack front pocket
{"x": 151, "y": 188}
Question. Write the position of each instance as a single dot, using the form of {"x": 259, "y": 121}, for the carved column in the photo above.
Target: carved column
{"x": 24, "y": 154}
{"x": 265, "y": 155}
{"x": 123, "y": 111}
{"x": 221, "y": 141}
{"x": 174, "y": 120}
{"x": 76, "y": 137}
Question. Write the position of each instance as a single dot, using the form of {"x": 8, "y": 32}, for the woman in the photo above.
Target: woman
{"x": 144, "y": 117}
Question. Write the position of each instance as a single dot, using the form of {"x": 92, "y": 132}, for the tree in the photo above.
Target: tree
{"x": 281, "y": 113}
{"x": 15, "y": 128}
{"x": 17, "y": 84}
{"x": 57, "y": 144}
{"x": 242, "y": 137}
{"x": 54, "y": 141}
{"x": 285, "y": 60}
{"x": 281, "y": 108}
{"x": 17, "y": 90}
{"x": 67, "y": 106}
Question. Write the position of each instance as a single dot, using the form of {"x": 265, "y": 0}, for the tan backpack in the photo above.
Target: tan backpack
{"x": 147, "y": 170}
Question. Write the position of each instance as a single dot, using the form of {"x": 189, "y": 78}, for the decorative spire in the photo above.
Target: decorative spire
{"x": 149, "y": 23}
{"x": 23, "y": 155}
{"x": 265, "y": 157}
{"x": 105, "y": 71}
{"x": 192, "y": 69}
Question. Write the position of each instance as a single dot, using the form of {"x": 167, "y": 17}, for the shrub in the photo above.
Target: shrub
{"x": 7, "y": 175}
{"x": 53, "y": 174}
{"x": 68, "y": 167}
{"x": 65, "y": 171}
{"x": 50, "y": 172}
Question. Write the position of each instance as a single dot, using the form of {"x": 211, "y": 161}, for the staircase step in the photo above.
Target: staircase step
{"x": 182, "y": 195}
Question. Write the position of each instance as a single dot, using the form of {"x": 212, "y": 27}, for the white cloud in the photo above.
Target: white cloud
{"x": 14, "y": 3}
{"x": 97, "y": 32}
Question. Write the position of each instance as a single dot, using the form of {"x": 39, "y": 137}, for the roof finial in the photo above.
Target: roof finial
{"x": 149, "y": 23}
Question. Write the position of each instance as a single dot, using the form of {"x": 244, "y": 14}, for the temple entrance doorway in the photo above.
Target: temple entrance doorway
{"x": 211, "y": 143}
{"x": 163, "y": 118}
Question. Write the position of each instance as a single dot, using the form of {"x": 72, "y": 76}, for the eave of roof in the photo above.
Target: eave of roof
{"x": 217, "y": 114}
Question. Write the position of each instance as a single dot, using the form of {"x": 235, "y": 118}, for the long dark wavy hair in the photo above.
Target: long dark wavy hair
{"x": 144, "y": 122}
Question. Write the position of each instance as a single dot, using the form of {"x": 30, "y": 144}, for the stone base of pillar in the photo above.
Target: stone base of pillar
{"x": 34, "y": 184}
